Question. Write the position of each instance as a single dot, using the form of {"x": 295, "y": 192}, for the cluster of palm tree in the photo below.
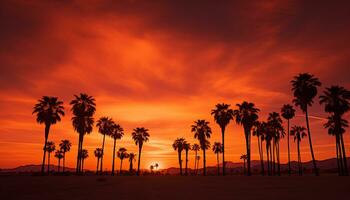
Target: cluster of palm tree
{"x": 49, "y": 111}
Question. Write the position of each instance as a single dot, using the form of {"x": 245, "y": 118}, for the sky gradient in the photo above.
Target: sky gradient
{"x": 163, "y": 65}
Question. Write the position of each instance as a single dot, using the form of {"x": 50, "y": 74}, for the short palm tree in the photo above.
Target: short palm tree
{"x": 304, "y": 87}
{"x": 195, "y": 148}
{"x": 244, "y": 158}
{"x": 336, "y": 101}
{"x": 122, "y": 154}
{"x": 151, "y": 168}
{"x": 217, "y": 149}
{"x": 288, "y": 112}
{"x": 98, "y": 154}
{"x": 83, "y": 108}
{"x": 140, "y": 136}
{"x": 65, "y": 146}
{"x": 49, "y": 111}
{"x": 50, "y": 147}
{"x": 156, "y": 166}
{"x": 59, "y": 156}
{"x": 223, "y": 114}
{"x": 298, "y": 132}
{"x": 275, "y": 124}
{"x": 84, "y": 155}
{"x": 246, "y": 115}
{"x": 202, "y": 132}
{"x": 105, "y": 126}
{"x": 132, "y": 158}
{"x": 187, "y": 147}
{"x": 117, "y": 133}
{"x": 178, "y": 146}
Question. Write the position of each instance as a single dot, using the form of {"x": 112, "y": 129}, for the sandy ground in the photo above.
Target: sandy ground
{"x": 174, "y": 187}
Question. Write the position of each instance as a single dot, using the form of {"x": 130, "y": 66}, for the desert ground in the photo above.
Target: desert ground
{"x": 174, "y": 187}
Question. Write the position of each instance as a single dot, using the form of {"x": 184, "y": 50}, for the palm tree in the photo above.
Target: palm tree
{"x": 268, "y": 136}
{"x": 246, "y": 114}
{"x": 298, "y": 132}
{"x": 217, "y": 149}
{"x": 336, "y": 101}
{"x": 244, "y": 158}
{"x": 98, "y": 154}
{"x": 187, "y": 147}
{"x": 202, "y": 132}
{"x": 83, "y": 108}
{"x": 59, "y": 156}
{"x": 156, "y": 166}
{"x": 121, "y": 155}
{"x": 195, "y": 148}
{"x": 84, "y": 155}
{"x": 50, "y": 147}
{"x": 178, "y": 146}
{"x": 48, "y": 111}
{"x": 151, "y": 168}
{"x": 117, "y": 134}
{"x": 223, "y": 114}
{"x": 288, "y": 112}
{"x": 65, "y": 146}
{"x": 131, "y": 160}
{"x": 304, "y": 87}
{"x": 140, "y": 136}
{"x": 258, "y": 131}
{"x": 105, "y": 126}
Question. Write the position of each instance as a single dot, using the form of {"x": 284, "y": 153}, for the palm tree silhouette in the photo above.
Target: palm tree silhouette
{"x": 288, "y": 112}
{"x": 202, "y": 132}
{"x": 117, "y": 133}
{"x": 121, "y": 155}
{"x": 105, "y": 126}
{"x": 304, "y": 87}
{"x": 65, "y": 146}
{"x": 223, "y": 114}
{"x": 258, "y": 131}
{"x": 195, "y": 148}
{"x": 98, "y": 154}
{"x": 336, "y": 101}
{"x": 131, "y": 160}
{"x": 156, "y": 166}
{"x": 246, "y": 115}
{"x": 84, "y": 155}
{"x": 50, "y": 147}
{"x": 83, "y": 108}
{"x": 140, "y": 136}
{"x": 178, "y": 146}
{"x": 298, "y": 132}
{"x": 244, "y": 158}
{"x": 59, "y": 156}
{"x": 151, "y": 168}
{"x": 48, "y": 111}
{"x": 268, "y": 137}
{"x": 217, "y": 149}
{"x": 187, "y": 147}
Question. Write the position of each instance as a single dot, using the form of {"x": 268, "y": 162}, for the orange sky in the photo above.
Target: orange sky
{"x": 163, "y": 65}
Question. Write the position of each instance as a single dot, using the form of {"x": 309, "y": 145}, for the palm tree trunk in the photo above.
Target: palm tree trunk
{"x": 289, "y": 168}
{"x": 204, "y": 164}
{"x": 121, "y": 165}
{"x": 248, "y": 150}
{"x": 139, "y": 159}
{"x": 278, "y": 158}
{"x": 82, "y": 165}
{"x": 195, "y": 161}
{"x": 130, "y": 168}
{"x": 339, "y": 165}
{"x": 260, "y": 154}
{"x": 47, "y": 130}
{"x": 180, "y": 161}
{"x": 64, "y": 161}
{"x": 274, "y": 156}
{"x": 79, "y": 150}
{"x": 244, "y": 170}
{"x": 270, "y": 149}
{"x": 103, "y": 146}
{"x": 344, "y": 156}
{"x": 59, "y": 165}
{"x": 310, "y": 143}
{"x": 113, "y": 157}
{"x": 186, "y": 172}
{"x": 267, "y": 159}
{"x": 299, "y": 160}
{"x": 223, "y": 151}
{"x": 98, "y": 163}
{"x": 48, "y": 163}
{"x": 217, "y": 160}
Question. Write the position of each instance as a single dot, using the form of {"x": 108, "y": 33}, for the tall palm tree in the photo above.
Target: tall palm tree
{"x": 131, "y": 160}
{"x": 140, "y": 136}
{"x": 288, "y": 112}
{"x": 304, "y": 87}
{"x": 49, "y": 111}
{"x": 258, "y": 131}
{"x": 178, "y": 146}
{"x": 223, "y": 114}
{"x": 65, "y": 146}
{"x": 336, "y": 101}
{"x": 98, "y": 154}
{"x": 117, "y": 133}
{"x": 268, "y": 136}
{"x": 59, "y": 156}
{"x": 244, "y": 158}
{"x": 202, "y": 132}
{"x": 105, "y": 126}
{"x": 195, "y": 148}
{"x": 50, "y": 147}
{"x": 83, "y": 108}
{"x": 298, "y": 132}
{"x": 246, "y": 115}
{"x": 121, "y": 155}
{"x": 217, "y": 149}
{"x": 84, "y": 155}
{"x": 187, "y": 147}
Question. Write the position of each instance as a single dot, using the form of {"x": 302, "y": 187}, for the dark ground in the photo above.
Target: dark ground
{"x": 174, "y": 187}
